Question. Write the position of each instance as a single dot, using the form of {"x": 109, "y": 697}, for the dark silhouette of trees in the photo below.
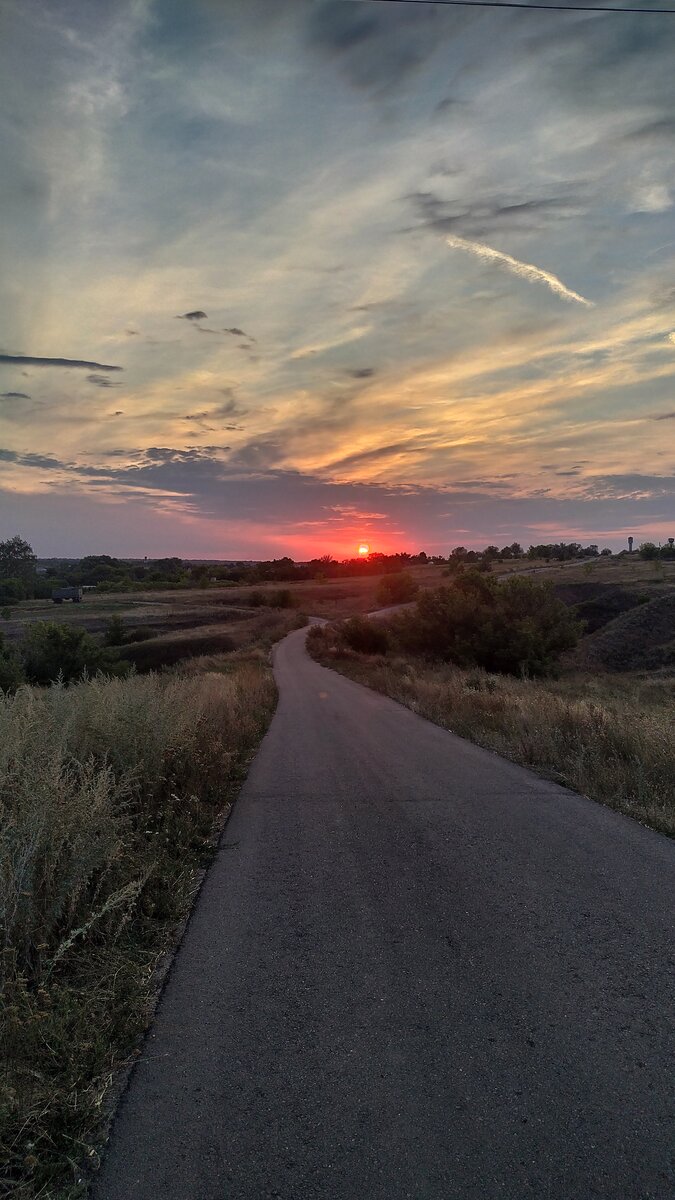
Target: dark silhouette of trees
{"x": 17, "y": 570}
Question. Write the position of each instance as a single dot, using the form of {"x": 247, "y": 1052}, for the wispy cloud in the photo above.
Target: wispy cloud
{"x": 23, "y": 360}
{"x": 522, "y": 269}
{"x": 101, "y": 381}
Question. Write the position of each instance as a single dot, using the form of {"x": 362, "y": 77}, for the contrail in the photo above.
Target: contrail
{"x": 524, "y": 270}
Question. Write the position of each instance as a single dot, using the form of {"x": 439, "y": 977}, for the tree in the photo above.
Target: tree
{"x": 18, "y": 562}
{"x": 516, "y": 627}
{"x": 648, "y": 550}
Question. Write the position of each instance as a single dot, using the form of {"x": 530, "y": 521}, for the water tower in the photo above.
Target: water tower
{"x": 630, "y": 545}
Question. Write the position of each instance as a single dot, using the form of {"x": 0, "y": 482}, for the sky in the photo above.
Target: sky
{"x": 282, "y": 276}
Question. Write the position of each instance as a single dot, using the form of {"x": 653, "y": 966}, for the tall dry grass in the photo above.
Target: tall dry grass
{"x": 109, "y": 791}
{"x": 611, "y": 742}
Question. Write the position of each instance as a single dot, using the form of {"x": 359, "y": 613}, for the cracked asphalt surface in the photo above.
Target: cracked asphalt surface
{"x": 414, "y": 970}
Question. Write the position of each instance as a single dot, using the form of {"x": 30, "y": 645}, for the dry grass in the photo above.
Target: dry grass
{"x": 109, "y": 793}
{"x": 608, "y": 739}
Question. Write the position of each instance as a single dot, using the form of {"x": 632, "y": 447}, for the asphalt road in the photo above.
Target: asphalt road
{"x": 414, "y": 970}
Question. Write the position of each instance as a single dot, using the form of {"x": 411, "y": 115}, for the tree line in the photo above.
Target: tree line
{"x": 20, "y": 579}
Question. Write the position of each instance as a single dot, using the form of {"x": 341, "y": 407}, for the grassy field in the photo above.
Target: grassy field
{"x": 607, "y": 736}
{"x": 171, "y": 615}
{"x": 111, "y": 795}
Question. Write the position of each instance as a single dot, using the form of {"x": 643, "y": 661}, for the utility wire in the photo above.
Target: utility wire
{"x": 515, "y": 4}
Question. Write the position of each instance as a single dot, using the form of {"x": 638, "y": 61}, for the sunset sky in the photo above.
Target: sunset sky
{"x": 334, "y": 271}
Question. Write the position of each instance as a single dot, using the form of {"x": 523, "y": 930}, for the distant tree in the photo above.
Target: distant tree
{"x": 516, "y": 550}
{"x": 14, "y": 589}
{"x": 648, "y": 551}
{"x": 490, "y": 553}
{"x": 18, "y": 563}
{"x": 606, "y": 552}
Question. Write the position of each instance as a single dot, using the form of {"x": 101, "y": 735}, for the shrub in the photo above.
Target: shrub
{"x": 11, "y": 671}
{"x": 13, "y": 589}
{"x": 399, "y": 588}
{"x": 283, "y": 598}
{"x": 364, "y": 636}
{"x": 51, "y": 650}
{"x": 516, "y": 627}
{"x": 114, "y": 634}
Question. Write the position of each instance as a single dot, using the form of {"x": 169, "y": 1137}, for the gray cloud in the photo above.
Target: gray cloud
{"x": 195, "y": 315}
{"x": 361, "y": 372}
{"x": 376, "y": 49}
{"x": 490, "y": 215}
{"x": 239, "y": 333}
{"x": 46, "y": 462}
{"x": 661, "y": 128}
{"x": 663, "y": 417}
{"x": 24, "y": 359}
{"x": 14, "y": 396}
{"x": 102, "y": 381}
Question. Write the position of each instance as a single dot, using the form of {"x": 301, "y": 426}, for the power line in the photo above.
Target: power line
{"x": 606, "y": 8}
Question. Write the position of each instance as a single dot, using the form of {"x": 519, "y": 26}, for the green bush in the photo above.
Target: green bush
{"x": 13, "y": 589}
{"x": 516, "y": 627}
{"x": 114, "y": 634}
{"x": 399, "y": 588}
{"x": 364, "y": 636}
{"x": 51, "y": 651}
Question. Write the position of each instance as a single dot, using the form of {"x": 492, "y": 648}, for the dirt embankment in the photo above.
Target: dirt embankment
{"x": 641, "y": 639}
{"x": 597, "y": 604}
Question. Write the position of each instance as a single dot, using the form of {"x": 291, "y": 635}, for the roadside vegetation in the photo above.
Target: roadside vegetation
{"x": 499, "y": 669}
{"x": 110, "y": 793}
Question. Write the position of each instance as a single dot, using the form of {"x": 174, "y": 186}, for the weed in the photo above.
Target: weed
{"x": 109, "y": 791}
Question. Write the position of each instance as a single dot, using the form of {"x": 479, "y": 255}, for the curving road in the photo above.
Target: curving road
{"x": 415, "y": 970}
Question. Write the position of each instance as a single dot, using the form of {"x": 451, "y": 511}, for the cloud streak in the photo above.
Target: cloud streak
{"x": 23, "y": 360}
{"x": 522, "y": 269}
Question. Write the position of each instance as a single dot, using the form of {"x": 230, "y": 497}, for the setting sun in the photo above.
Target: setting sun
{"x": 364, "y": 549}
